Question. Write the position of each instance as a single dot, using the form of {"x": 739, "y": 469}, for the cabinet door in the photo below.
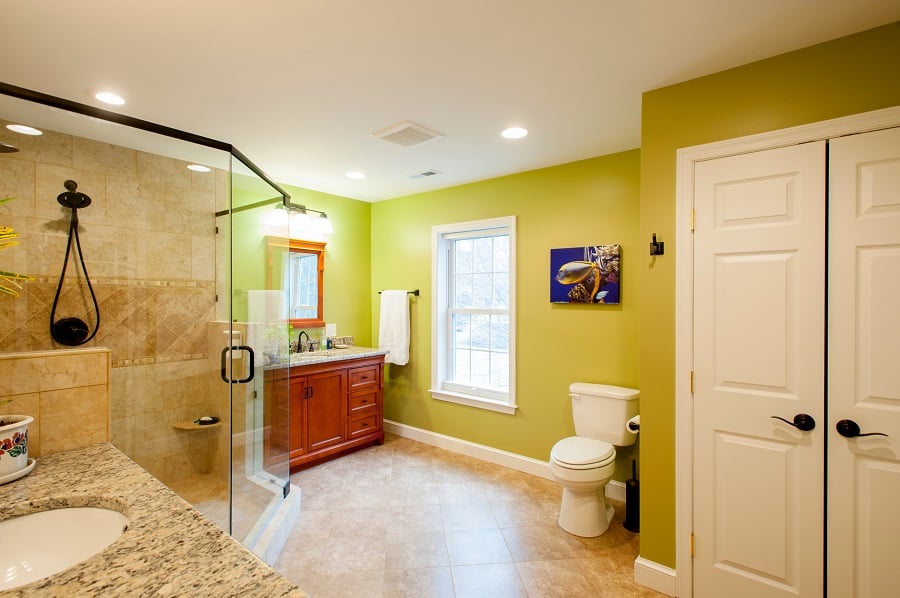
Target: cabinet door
{"x": 277, "y": 422}
{"x": 298, "y": 416}
{"x": 325, "y": 409}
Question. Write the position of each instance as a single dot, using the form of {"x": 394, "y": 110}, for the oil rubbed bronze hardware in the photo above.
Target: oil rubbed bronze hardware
{"x": 802, "y": 421}
{"x": 850, "y": 429}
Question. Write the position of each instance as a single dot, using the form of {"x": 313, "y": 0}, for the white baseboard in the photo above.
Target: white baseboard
{"x": 654, "y": 576}
{"x": 614, "y": 490}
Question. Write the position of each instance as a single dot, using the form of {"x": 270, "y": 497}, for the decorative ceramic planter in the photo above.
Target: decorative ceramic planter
{"x": 13, "y": 443}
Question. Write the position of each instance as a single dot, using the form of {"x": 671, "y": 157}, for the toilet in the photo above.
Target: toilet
{"x": 583, "y": 464}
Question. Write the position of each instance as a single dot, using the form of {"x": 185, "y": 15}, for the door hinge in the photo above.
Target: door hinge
{"x": 692, "y": 381}
{"x": 692, "y": 544}
{"x": 692, "y": 219}
{"x": 255, "y": 395}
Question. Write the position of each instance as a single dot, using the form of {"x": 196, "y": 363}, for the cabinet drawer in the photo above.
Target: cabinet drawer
{"x": 362, "y": 425}
{"x": 363, "y": 377}
{"x": 363, "y": 401}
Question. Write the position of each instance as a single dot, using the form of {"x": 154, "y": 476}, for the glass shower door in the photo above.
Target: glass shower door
{"x": 260, "y": 406}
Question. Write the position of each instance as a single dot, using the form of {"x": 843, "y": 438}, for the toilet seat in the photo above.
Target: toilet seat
{"x": 576, "y": 452}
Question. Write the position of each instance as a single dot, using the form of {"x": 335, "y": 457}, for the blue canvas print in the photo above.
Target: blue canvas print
{"x": 587, "y": 274}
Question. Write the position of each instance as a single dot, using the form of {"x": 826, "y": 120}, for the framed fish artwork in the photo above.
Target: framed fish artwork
{"x": 587, "y": 274}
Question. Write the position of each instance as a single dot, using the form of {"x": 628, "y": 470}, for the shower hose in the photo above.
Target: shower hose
{"x": 73, "y": 331}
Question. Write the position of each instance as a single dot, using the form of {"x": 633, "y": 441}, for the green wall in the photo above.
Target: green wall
{"x": 347, "y": 257}
{"x": 588, "y": 202}
{"x": 842, "y": 77}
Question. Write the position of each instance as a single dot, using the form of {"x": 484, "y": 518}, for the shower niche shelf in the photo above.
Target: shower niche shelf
{"x": 189, "y": 425}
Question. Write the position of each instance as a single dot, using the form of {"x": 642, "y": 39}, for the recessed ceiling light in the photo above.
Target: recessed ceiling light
{"x": 198, "y": 168}
{"x": 24, "y": 129}
{"x": 355, "y": 174}
{"x": 514, "y": 133}
{"x": 108, "y": 97}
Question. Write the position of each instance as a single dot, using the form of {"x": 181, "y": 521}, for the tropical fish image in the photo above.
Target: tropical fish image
{"x": 585, "y": 274}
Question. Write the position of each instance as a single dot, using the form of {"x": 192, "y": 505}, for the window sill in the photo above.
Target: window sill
{"x": 472, "y": 401}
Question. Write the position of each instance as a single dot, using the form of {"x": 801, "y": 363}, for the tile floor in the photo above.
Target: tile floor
{"x": 406, "y": 519}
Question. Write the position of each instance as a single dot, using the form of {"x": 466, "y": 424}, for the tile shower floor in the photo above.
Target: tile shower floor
{"x": 408, "y": 519}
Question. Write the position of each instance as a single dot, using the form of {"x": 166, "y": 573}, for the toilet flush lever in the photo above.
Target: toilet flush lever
{"x": 802, "y": 421}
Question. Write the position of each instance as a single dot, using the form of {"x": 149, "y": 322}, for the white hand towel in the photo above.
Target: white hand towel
{"x": 393, "y": 332}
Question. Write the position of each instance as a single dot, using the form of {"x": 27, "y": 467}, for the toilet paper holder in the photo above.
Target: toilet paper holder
{"x": 633, "y": 425}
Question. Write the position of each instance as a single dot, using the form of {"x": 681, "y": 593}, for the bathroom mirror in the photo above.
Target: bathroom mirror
{"x": 298, "y": 267}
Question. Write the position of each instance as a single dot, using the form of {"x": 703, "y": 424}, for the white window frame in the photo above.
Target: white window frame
{"x": 440, "y": 319}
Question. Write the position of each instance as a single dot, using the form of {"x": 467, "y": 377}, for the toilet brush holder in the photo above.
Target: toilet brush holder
{"x": 632, "y": 502}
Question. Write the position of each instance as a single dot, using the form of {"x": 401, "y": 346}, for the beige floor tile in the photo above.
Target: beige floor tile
{"x": 494, "y": 581}
{"x": 537, "y": 543}
{"x": 409, "y": 520}
{"x": 347, "y": 585}
{"x": 416, "y": 551}
{"x": 434, "y": 582}
{"x": 522, "y": 513}
{"x": 557, "y": 579}
{"x": 477, "y": 547}
{"x": 465, "y": 516}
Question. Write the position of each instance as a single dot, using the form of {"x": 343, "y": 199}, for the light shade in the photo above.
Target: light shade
{"x": 323, "y": 225}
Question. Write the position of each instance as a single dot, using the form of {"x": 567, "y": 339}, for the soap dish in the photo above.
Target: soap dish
{"x": 340, "y": 346}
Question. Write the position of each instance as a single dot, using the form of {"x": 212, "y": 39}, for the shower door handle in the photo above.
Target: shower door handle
{"x": 224, "y": 374}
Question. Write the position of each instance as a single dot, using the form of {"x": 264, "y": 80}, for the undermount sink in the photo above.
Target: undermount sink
{"x": 312, "y": 355}
{"x": 47, "y": 542}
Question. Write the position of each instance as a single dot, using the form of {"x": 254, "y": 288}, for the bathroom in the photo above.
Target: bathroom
{"x": 620, "y": 198}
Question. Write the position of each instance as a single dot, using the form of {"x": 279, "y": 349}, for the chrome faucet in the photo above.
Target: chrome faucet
{"x": 300, "y": 341}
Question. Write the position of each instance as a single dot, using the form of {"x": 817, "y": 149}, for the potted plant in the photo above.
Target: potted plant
{"x": 8, "y": 280}
{"x": 13, "y": 443}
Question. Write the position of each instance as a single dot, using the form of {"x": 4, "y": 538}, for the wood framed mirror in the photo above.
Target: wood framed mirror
{"x": 298, "y": 268}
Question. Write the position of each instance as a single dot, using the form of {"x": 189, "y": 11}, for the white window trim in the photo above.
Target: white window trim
{"x": 439, "y": 323}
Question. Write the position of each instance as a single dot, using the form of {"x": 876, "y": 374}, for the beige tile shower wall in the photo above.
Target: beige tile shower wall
{"x": 67, "y": 393}
{"x": 149, "y": 244}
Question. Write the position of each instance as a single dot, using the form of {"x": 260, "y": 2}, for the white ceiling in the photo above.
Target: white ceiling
{"x": 299, "y": 85}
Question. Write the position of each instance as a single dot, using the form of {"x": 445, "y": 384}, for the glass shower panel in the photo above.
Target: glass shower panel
{"x": 260, "y": 399}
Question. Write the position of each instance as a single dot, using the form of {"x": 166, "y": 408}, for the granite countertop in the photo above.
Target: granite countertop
{"x": 328, "y": 355}
{"x": 169, "y": 548}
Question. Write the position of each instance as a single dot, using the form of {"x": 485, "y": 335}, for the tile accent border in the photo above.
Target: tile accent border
{"x": 654, "y": 576}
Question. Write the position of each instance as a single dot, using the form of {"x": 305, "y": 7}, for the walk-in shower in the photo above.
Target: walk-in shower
{"x": 160, "y": 262}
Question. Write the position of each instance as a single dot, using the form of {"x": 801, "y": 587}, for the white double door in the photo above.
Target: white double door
{"x": 797, "y": 316}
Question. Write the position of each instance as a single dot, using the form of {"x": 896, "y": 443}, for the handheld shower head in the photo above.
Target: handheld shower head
{"x": 72, "y": 198}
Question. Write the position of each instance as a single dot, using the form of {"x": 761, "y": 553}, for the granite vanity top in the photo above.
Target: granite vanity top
{"x": 169, "y": 549}
{"x": 328, "y": 355}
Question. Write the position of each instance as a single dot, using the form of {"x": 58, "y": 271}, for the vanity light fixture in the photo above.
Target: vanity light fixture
{"x": 108, "y": 97}
{"x": 355, "y": 175}
{"x": 198, "y": 168}
{"x": 24, "y": 130}
{"x": 513, "y": 133}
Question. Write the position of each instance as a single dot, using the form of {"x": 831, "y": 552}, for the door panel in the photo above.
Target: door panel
{"x": 326, "y": 409}
{"x": 864, "y": 377}
{"x": 759, "y": 312}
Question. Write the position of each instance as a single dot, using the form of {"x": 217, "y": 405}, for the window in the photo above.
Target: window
{"x": 298, "y": 268}
{"x": 473, "y": 352}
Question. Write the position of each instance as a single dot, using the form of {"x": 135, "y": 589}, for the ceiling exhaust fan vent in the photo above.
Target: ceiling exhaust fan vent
{"x": 407, "y": 134}
{"x": 425, "y": 173}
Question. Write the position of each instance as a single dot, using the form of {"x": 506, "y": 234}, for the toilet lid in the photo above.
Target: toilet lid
{"x": 576, "y": 451}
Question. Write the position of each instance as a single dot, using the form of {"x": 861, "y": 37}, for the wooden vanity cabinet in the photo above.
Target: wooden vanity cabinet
{"x": 334, "y": 407}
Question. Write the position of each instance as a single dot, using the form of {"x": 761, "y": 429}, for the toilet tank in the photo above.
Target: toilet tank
{"x": 600, "y": 411}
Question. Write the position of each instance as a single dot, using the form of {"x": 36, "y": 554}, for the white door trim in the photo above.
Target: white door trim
{"x": 684, "y": 193}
